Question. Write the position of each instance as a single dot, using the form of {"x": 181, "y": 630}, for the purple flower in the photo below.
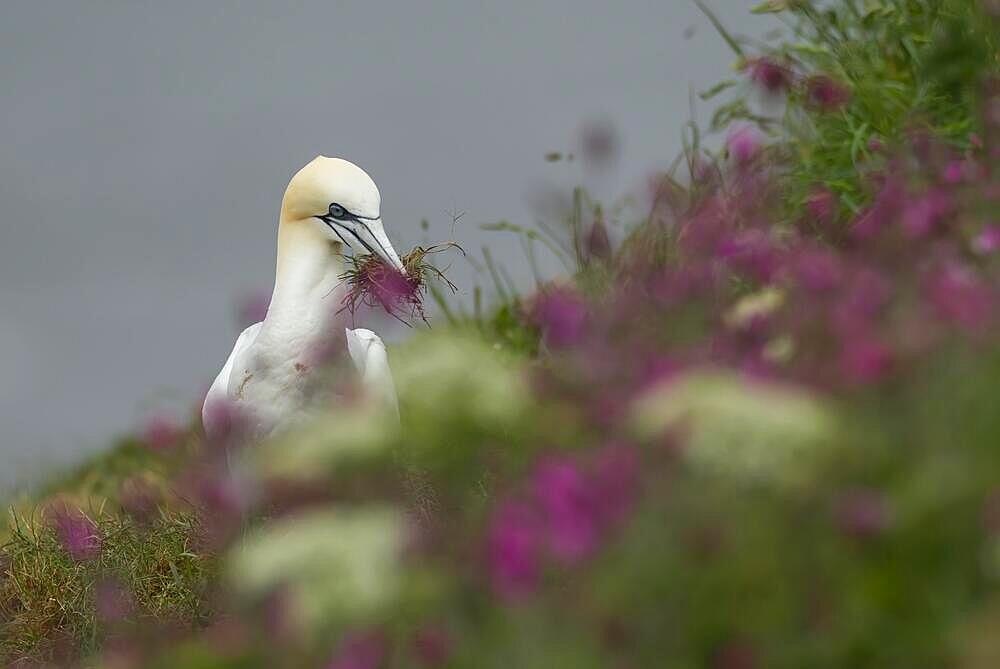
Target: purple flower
{"x": 875, "y": 144}
{"x": 567, "y": 510}
{"x": 161, "y": 433}
{"x": 864, "y": 360}
{"x": 821, "y": 204}
{"x": 514, "y": 549}
{"x": 360, "y": 651}
{"x": 615, "y": 479}
{"x": 769, "y": 75}
{"x": 960, "y": 296}
{"x": 883, "y": 210}
{"x": 743, "y": 144}
{"x": 866, "y": 294}
{"x": 76, "y": 531}
{"x": 987, "y": 241}
{"x": 222, "y": 493}
{"x": 752, "y": 252}
{"x": 561, "y": 314}
{"x": 817, "y": 269}
{"x": 953, "y": 172}
{"x": 920, "y": 214}
{"x": 826, "y": 93}
{"x": 862, "y": 513}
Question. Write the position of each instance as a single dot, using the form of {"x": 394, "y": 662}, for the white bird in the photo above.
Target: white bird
{"x": 271, "y": 378}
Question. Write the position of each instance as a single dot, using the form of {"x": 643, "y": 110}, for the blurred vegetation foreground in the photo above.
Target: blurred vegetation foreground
{"x": 757, "y": 427}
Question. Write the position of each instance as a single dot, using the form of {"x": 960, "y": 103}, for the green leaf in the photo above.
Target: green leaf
{"x": 715, "y": 90}
{"x": 769, "y": 7}
{"x": 813, "y": 49}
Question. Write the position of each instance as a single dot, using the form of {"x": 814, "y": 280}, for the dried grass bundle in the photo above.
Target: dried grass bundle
{"x": 372, "y": 282}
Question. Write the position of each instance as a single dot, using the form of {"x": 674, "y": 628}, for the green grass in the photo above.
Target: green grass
{"x": 47, "y": 599}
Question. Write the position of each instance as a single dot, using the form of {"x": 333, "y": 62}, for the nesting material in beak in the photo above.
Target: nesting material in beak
{"x": 377, "y": 281}
{"x": 381, "y": 244}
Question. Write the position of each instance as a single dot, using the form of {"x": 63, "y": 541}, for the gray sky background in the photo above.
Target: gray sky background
{"x": 146, "y": 145}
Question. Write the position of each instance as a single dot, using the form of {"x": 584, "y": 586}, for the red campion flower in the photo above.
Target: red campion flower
{"x": 826, "y": 93}
{"x": 360, "y": 651}
{"x": 769, "y": 75}
{"x": 561, "y": 314}
{"x": 743, "y": 144}
{"x": 161, "y": 433}
{"x": 77, "y": 533}
{"x": 514, "y": 549}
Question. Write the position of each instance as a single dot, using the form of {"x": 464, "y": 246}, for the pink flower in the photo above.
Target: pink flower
{"x": 865, "y": 295}
{"x": 864, "y": 360}
{"x": 875, "y": 144}
{"x": 953, "y": 172}
{"x": 751, "y": 251}
{"x": 514, "y": 549}
{"x": 561, "y": 314}
{"x": 821, "y": 204}
{"x": 882, "y": 212}
{"x": 826, "y": 93}
{"x": 615, "y": 479}
{"x": 960, "y": 296}
{"x": 77, "y": 533}
{"x": 817, "y": 269}
{"x": 360, "y": 651}
{"x": 161, "y": 433}
{"x": 743, "y": 144}
{"x": 769, "y": 75}
{"x": 987, "y": 241}
{"x": 222, "y": 493}
{"x": 567, "y": 510}
{"x": 920, "y": 214}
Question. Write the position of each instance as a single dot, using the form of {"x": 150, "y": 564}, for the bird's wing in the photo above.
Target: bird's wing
{"x": 372, "y": 362}
{"x": 219, "y": 392}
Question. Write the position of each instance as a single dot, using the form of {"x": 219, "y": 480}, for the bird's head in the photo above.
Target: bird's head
{"x": 339, "y": 200}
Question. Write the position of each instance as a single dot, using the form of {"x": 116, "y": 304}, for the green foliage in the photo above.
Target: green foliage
{"x": 906, "y": 64}
{"x": 47, "y": 598}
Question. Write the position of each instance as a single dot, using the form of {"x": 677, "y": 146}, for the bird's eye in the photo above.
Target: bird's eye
{"x": 338, "y": 212}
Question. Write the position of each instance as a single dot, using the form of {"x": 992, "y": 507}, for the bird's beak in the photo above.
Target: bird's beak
{"x": 373, "y": 237}
{"x": 365, "y": 235}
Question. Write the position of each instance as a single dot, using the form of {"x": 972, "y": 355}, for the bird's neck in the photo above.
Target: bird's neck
{"x": 307, "y": 286}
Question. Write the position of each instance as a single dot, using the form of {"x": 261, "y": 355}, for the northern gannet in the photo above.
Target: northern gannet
{"x": 270, "y": 378}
